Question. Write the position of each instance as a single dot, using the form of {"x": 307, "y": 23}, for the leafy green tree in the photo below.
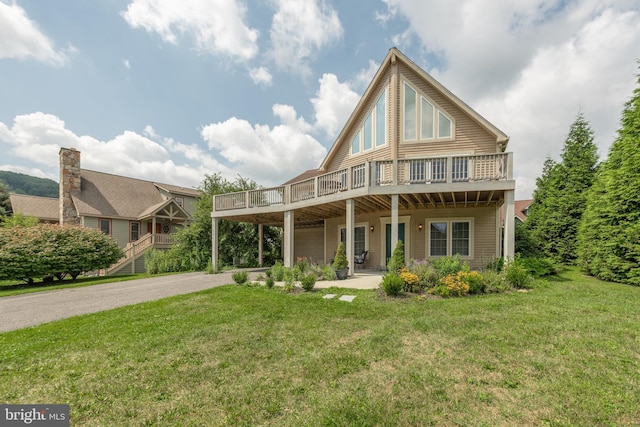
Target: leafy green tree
{"x": 45, "y": 249}
{"x": 18, "y": 219}
{"x": 561, "y": 193}
{"x": 5, "y": 202}
{"x": 192, "y": 250}
{"x": 609, "y": 235}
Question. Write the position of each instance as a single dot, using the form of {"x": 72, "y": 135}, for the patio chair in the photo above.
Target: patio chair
{"x": 361, "y": 259}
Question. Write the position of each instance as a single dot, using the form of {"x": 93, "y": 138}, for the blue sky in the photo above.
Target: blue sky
{"x": 171, "y": 90}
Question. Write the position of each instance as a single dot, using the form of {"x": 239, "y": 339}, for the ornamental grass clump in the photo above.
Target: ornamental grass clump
{"x": 392, "y": 284}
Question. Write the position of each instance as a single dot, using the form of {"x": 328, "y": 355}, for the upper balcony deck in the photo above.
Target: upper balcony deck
{"x": 429, "y": 175}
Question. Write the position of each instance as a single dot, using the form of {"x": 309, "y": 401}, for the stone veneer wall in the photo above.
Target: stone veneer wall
{"x": 69, "y": 182}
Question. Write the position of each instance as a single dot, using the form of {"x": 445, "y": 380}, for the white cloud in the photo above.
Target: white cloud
{"x": 20, "y": 38}
{"x": 270, "y": 156}
{"x": 333, "y": 104}
{"x": 300, "y": 28}
{"x": 261, "y": 76}
{"x": 364, "y": 76}
{"x": 530, "y": 66}
{"x": 38, "y": 137}
{"x": 216, "y": 26}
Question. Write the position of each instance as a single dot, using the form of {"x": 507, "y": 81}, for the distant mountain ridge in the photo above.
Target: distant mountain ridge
{"x": 30, "y": 185}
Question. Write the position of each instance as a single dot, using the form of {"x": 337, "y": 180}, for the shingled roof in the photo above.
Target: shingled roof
{"x": 107, "y": 195}
{"x": 44, "y": 208}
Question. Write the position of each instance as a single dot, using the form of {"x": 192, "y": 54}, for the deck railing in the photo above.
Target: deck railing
{"x": 134, "y": 249}
{"x": 427, "y": 170}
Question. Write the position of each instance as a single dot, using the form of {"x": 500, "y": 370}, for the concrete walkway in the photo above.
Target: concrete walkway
{"x": 32, "y": 309}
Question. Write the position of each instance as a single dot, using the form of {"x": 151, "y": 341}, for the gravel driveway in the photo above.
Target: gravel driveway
{"x": 25, "y": 310}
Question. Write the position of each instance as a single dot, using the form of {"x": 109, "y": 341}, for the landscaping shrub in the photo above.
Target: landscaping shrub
{"x": 328, "y": 273}
{"x": 396, "y": 262}
{"x": 516, "y": 274}
{"x": 308, "y": 282}
{"x": 289, "y": 279}
{"x": 411, "y": 281}
{"x": 240, "y": 277}
{"x": 449, "y": 265}
{"x": 277, "y": 271}
{"x": 301, "y": 267}
{"x": 495, "y": 282}
{"x": 427, "y": 275}
{"x": 496, "y": 264}
{"x": 451, "y": 285}
{"x": 392, "y": 284}
{"x": 340, "y": 260}
{"x": 48, "y": 249}
{"x": 538, "y": 266}
{"x": 475, "y": 281}
{"x": 269, "y": 282}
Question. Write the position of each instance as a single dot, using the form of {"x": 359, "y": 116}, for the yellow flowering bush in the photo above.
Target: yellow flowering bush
{"x": 410, "y": 280}
{"x": 459, "y": 284}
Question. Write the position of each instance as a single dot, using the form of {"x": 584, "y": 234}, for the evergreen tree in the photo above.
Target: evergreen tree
{"x": 609, "y": 235}
{"x": 560, "y": 199}
{"x": 5, "y": 202}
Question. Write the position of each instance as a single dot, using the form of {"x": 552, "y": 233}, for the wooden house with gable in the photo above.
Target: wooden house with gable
{"x": 412, "y": 163}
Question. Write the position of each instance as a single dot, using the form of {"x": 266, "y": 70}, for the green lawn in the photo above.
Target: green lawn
{"x": 567, "y": 353}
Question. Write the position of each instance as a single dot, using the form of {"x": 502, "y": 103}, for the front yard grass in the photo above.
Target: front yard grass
{"x": 566, "y": 353}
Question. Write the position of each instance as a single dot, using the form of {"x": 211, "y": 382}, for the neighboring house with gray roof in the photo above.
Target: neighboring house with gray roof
{"x": 44, "y": 208}
{"x": 138, "y": 214}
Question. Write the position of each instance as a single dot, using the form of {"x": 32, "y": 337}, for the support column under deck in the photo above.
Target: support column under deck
{"x": 287, "y": 239}
{"x": 260, "y": 244}
{"x": 350, "y": 249}
{"x": 509, "y": 224}
{"x": 394, "y": 221}
{"x": 214, "y": 243}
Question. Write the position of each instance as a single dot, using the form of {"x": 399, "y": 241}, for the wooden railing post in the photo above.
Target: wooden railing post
{"x": 395, "y": 172}
{"x": 449, "y": 170}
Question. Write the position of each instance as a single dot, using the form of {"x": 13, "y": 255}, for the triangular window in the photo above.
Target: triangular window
{"x": 422, "y": 119}
{"x": 373, "y": 131}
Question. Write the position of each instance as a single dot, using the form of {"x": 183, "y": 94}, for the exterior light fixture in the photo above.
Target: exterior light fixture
{"x": 419, "y": 227}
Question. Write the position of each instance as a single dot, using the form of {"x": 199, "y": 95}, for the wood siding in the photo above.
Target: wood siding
{"x": 343, "y": 157}
{"x": 308, "y": 243}
{"x": 484, "y": 234}
{"x": 470, "y": 136}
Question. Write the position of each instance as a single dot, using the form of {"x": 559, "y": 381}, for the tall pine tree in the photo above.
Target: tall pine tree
{"x": 561, "y": 194}
{"x": 609, "y": 235}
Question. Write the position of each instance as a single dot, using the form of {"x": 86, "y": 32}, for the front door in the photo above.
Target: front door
{"x": 389, "y": 249}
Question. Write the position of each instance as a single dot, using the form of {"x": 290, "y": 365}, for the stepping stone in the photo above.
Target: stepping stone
{"x": 329, "y": 296}
{"x": 347, "y": 298}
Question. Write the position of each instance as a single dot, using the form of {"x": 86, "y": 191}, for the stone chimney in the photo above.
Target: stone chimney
{"x": 69, "y": 183}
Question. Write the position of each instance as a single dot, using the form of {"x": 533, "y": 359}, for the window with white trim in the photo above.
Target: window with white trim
{"x": 450, "y": 237}
{"x": 180, "y": 201}
{"x": 134, "y": 231}
{"x": 359, "y": 238}
{"x": 373, "y": 131}
{"x": 422, "y": 117}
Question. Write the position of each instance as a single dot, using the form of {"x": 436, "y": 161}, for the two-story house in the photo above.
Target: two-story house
{"x": 412, "y": 163}
{"x": 138, "y": 214}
